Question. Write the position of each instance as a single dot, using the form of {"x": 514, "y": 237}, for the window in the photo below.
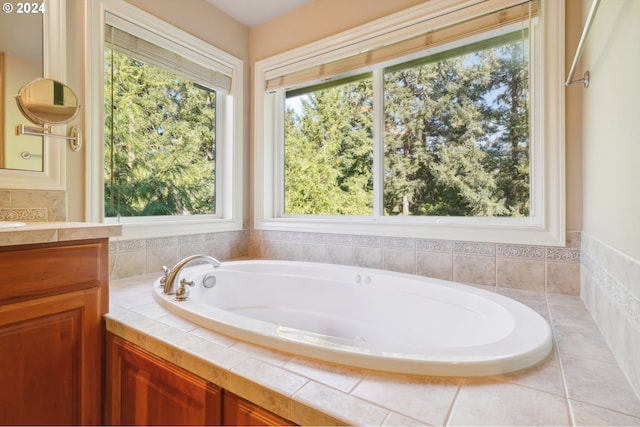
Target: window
{"x": 456, "y": 131}
{"x": 160, "y": 138}
{"x": 171, "y": 162}
{"x": 447, "y": 136}
{"x": 328, "y": 149}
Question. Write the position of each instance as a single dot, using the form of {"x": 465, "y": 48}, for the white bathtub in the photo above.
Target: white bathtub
{"x": 365, "y": 318}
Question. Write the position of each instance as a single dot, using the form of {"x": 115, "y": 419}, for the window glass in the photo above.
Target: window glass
{"x": 160, "y": 140}
{"x": 455, "y": 136}
{"x": 456, "y": 132}
{"x": 328, "y": 153}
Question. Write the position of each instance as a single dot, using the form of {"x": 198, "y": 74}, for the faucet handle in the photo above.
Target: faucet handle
{"x": 165, "y": 274}
{"x": 182, "y": 294}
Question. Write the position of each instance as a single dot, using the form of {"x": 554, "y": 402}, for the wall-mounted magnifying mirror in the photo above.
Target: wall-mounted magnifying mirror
{"x": 47, "y": 101}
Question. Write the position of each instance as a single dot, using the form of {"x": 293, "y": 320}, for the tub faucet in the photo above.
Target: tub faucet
{"x": 170, "y": 276}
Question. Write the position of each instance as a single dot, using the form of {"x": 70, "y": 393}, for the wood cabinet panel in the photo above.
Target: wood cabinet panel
{"x": 240, "y": 412}
{"x": 145, "y": 390}
{"x": 35, "y": 270}
{"x": 50, "y": 350}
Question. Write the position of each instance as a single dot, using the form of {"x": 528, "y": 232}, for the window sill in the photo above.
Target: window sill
{"x": 166, "y": 227}
{"x": 493, "y": 230}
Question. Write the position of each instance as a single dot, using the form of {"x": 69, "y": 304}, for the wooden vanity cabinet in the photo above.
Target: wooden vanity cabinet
{"x": 52, "y": 301}
{"x": 241, "y": 412}
{"x": 143, "y": 389}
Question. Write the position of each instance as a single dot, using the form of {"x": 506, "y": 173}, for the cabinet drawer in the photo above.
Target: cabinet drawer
{"x": 36, "y": 271}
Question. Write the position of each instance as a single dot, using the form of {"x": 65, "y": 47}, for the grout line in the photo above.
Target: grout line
{"x": 447, "y": 418}
{"x": 572, "y": 418}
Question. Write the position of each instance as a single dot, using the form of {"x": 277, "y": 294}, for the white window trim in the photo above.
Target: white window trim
{"x": 549, "y": 226}
{"x": 229, "y": 149}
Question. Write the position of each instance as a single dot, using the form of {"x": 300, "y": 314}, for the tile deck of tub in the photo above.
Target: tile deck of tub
{"x": 580, "y": 383}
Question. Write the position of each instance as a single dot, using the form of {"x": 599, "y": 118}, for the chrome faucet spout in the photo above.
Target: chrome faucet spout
{"x": 172, "y": 276}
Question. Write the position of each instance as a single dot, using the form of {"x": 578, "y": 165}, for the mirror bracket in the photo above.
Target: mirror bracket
{"x": 74, "y": 138}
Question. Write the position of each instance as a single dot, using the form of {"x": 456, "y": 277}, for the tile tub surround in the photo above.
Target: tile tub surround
{"x": 141, "y": 256}
{"x": 610, "y": 288}
{"x": 578, "y": 384}
{"x": 535, "y": 268}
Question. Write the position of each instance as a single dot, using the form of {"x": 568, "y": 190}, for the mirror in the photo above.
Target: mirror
{"x": 47, "y": 102}
{"x": 21, "y": 60}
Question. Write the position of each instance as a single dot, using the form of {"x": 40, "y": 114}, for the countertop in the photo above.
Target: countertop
{"x": 51, "y": 232}
{"x": 578, "y": 384}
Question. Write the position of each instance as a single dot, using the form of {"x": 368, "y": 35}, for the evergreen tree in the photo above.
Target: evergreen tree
{"x": 328, "y": 152}
{"x": 160, "y": 141}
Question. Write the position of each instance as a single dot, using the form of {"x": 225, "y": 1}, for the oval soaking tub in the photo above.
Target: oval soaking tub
{"x": 365, "y": 318}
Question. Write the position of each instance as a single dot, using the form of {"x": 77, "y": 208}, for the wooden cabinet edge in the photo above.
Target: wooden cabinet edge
{"x": 233, "y": 409}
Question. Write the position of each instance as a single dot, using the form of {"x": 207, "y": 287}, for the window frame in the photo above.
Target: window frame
{"x": 546, "y": 226}
{"x": 229, "y": 125}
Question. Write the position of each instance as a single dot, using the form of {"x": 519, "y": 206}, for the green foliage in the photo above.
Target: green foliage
{"x": 456, "y": 141}
{"x": 328, "y": 152}
{"x": 159, "y": 141}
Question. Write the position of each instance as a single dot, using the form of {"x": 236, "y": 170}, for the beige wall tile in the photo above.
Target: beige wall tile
{"x": 520, "y": 273}
{"x": 54, "y": 201}
{"x": 563, "y": 278}
{"x": 403, "y": 261}
{"x": 474, "y": 269}
{"x": 435, "y": 264}
{"x": 5, "y": 198}
{"x": 130, "y": 263}
{"x": 314, "y": 252}
{"x": 369, "y": 257}
{"x": 340, "y": 254}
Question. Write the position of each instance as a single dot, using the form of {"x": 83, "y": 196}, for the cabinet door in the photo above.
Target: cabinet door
{"x": 145, "y": 390}
{"x": 50, "y": 366}
{"x": 240, "y": 412}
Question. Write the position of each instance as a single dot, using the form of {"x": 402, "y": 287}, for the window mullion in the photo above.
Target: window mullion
{"x": 378, "y": 142}
{"x": 278, "y": 155}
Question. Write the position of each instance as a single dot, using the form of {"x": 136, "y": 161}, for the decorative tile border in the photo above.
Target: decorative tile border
{"x": 563, "y": 255}
{"x": 425, "y": 245}
{"x": 520, "y": 251}
{"x": 162, "y": 242}
{"x": 474, "y": 248}
{"x": 399, "y": 243}
{"x": 24, "y": 214}
{"x": 367, "y": 241}
{"x": 117, "y": 246}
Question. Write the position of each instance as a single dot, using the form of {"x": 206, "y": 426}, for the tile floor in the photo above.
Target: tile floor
{"x": 578, "y": 384}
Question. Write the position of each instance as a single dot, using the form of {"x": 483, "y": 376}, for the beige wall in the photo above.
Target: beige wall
{"x": 610, "y": 273}
{"x": 610, "y": 127}
{"x": 316, "y": 20}
{"x": 200, "y": 19}
{"x": 76, "y": 79}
